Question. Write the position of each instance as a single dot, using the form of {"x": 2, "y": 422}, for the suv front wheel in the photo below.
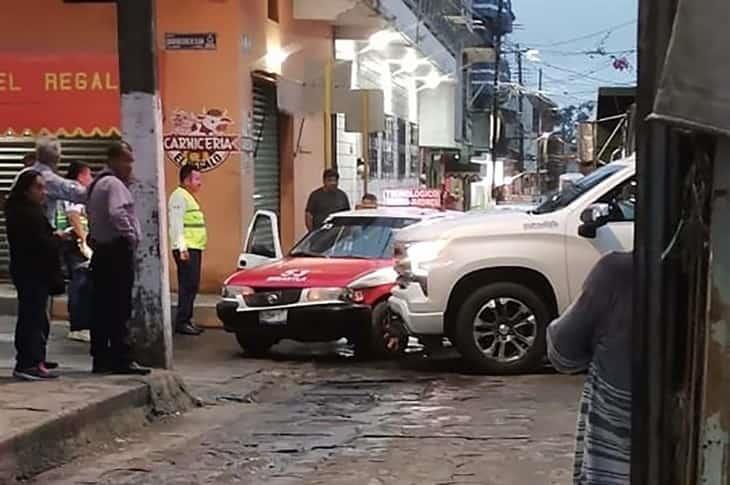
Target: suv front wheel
{"x": 500, "y": 329}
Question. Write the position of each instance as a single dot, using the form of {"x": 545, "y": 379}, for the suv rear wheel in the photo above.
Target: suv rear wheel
{"x": 500, "y": 329}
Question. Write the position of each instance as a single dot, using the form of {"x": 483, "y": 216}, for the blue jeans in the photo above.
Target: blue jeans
{"x": 32, "y": 327}
{"x": 79, "y": 288}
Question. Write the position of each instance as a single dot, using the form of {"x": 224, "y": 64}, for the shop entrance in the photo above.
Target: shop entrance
{"x": 267, "y": 168}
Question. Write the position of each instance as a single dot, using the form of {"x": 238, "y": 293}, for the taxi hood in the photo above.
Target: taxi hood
{"x": 299, "y": 272}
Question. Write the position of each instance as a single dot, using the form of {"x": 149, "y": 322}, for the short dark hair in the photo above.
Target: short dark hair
{"x": 369, "y": 198}
{"x": 75, "y": 168}
{"x": 330, "y": 173}
{"x": 116, "y": 148}
{"x": 186, "y": 170}
{"x": 29, "y": 159}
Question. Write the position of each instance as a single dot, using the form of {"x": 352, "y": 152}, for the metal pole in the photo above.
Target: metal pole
{"x": 365, "y": 135}
{"x": 539, "y": 80}
{"x": 495, "y": 93}
{"x": 521, "y": 166}
{"x": 328, "y": 113}
{"x": 150, "y": 329}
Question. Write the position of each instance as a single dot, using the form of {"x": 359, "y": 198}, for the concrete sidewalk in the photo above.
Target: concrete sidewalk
{"x": 43, "y": 424}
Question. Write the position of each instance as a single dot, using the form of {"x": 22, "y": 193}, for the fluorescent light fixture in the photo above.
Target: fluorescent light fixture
{"x": 381, "y": 39}
{"x": 275, "y": 57}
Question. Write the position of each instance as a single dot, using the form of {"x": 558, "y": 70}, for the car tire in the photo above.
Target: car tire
{"x": 255, "y": 346}
{"x": 510, "y": 295}
{"x": 371, "y": 344}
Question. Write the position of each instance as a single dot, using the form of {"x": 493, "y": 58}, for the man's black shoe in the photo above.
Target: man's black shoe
{"x": 188, "y": 329}
{"x": 131, "y": 369}
{"x": 100, "y": 368}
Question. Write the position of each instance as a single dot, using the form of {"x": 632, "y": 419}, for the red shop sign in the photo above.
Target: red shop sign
{"x": 64, "y": 94}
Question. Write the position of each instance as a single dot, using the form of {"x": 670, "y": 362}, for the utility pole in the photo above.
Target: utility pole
{"x": 539, "y": 80}
{"x": 150, "y": 329}
{"x": 495, "y": 93}
{"x": 520, "y": 98}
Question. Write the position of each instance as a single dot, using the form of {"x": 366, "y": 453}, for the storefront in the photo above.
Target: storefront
{"x": 218, "y": 68}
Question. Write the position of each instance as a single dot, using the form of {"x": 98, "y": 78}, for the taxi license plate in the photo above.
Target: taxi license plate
{"x": 273, "y": 317}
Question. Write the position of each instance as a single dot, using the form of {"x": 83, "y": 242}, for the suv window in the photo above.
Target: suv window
{"x": 622, "y": 201}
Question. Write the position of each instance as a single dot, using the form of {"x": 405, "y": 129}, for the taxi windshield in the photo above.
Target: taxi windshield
{"x": 352, "y": 237}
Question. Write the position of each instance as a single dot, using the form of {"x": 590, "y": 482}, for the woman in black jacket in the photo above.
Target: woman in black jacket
{"x": 35, "y": 271}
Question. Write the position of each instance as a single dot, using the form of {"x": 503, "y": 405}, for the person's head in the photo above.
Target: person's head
{"x": 29, "y": 160}
{"x": 369, "y": 201}
{"x": 30, "y": 188}
{"x": 331, "y": 179}
{"x": 48, "y": 151}
{"x": 190, "y": 178}
{"x": 120, "y": 160}
{"x": 79, "y": 172}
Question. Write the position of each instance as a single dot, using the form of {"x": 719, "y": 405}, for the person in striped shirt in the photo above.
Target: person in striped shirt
{"x": 594, "y": 334}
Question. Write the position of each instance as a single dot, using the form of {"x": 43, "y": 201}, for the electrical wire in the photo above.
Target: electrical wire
{"x": 608, "y": 30}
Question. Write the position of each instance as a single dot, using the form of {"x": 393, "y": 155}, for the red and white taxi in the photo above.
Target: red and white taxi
{"x": 334, "y": 283}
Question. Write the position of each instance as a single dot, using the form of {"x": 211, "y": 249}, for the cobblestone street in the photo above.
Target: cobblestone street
{"x": 317, "y": 417}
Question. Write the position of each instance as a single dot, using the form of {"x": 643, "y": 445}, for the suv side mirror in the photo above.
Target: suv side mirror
{"x": 593, "y": 218}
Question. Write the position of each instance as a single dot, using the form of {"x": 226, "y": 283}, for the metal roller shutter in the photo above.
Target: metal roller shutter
{"x": 12, "y": 150}
{"x": 266, "y": 156}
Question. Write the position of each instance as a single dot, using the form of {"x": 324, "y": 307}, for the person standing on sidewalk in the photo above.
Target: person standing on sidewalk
{"x": 71, "y": 218}
{"x": 326, "y": 200}
{"x": 35, "y": 269}
{"x": 188, "y": 238}
{"x": 114, "y": 233}
{"x": 594, "y": 335}
{"x": 48, "y": 154}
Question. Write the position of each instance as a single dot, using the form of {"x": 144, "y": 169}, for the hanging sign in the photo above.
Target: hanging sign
{"x": 66, "y": 95}
{"x": 201, "y": 139}
{"x": 412, "y": 198}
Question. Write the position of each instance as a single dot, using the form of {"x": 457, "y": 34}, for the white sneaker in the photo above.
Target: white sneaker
{"x": 80, "y": 336}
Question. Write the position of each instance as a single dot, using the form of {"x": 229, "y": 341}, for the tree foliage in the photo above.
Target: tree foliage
{"x": 570, "y": 116}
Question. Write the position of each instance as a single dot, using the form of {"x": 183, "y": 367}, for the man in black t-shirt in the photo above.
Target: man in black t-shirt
{"x": 326, "y": 200}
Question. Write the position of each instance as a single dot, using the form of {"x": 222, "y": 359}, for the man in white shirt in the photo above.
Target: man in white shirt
{"x": 188, "y": 238}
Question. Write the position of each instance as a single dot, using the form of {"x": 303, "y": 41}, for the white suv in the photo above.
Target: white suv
{"x": 491, "y": 282}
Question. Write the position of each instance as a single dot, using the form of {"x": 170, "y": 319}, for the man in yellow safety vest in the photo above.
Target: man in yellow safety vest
{"x": 188, "y": 239}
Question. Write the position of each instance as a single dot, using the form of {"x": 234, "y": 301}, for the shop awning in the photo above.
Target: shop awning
{"x": 694, "y": 89}
{"x": 64, "y": 95}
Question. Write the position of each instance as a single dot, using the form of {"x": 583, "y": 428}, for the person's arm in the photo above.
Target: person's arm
{"x": 120, "y": 210}
{"x": 309, "y": 214}
{"x": 64, "y": 189}
{"x": 571, "y": 338}
{"x": 176, "y": 215}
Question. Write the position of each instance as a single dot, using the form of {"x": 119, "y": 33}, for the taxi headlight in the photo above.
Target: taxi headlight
{"x": 312, "y": 295}
{"x": 232, "y": 291}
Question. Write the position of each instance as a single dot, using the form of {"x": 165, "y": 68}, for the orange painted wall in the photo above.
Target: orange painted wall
{"x": 204, "y": 79}
{"x": 193, "y": 81}
{"x": 50, "y": 26}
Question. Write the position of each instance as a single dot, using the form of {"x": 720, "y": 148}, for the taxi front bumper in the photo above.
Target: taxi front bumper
{"x": 314, "y": 323}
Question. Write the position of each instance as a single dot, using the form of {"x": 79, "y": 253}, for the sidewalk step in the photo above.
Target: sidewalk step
{"x": 46, "y": 424}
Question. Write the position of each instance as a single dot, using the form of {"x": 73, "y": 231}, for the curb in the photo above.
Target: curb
{"x": 61, "y": 438}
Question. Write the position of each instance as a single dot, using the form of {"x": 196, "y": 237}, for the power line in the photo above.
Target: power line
{"x": 583, "y": 75}
{"x": 588, "y": 36}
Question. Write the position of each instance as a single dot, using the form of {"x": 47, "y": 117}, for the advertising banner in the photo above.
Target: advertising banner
{"x": 66, "y": 95}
